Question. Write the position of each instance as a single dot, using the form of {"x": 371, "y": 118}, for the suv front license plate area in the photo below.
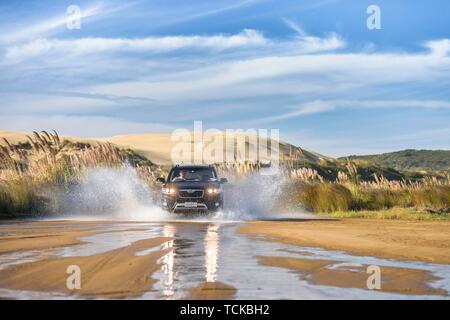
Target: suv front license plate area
{"x": 190, "y": 204}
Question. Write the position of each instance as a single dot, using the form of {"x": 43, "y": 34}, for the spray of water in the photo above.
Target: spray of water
{"x": 119, "y": 193}
{"x": 252, "y": 198}
{"x": 112, "y": 193}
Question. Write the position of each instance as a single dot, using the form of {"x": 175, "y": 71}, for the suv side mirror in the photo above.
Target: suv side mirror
{"x": 224, "y": 180}
{"x": 160, "y": 180}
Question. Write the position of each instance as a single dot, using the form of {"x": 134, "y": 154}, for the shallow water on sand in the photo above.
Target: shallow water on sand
{"x": 214, "y": 252}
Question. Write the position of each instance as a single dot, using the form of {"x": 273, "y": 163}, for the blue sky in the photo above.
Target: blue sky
{"x": 309, "y": 68}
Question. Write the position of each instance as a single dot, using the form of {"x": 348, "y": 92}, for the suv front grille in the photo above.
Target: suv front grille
{"x": 190, "y": 193}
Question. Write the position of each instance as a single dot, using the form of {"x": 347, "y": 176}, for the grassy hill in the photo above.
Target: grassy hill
{"x": 411, "y": 160}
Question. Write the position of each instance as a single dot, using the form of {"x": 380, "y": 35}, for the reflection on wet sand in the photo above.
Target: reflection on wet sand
{"x": 183, "y": 249}
{"x": 211, "y": 252}
{"x": 168, "y": 261}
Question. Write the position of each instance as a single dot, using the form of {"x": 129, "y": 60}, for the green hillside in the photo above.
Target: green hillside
{"x": 411, "y": 160}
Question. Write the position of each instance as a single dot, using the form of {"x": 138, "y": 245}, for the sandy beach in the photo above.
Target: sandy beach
{"x": 205, "y": 260}
{"x": 427, "y": 241}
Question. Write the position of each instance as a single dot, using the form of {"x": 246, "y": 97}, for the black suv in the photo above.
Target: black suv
{"x": 192, "y": 189}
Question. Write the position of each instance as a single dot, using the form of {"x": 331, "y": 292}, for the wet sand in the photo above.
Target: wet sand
{"x": 204, "y": 260}
{"x": 392, "y": 239}
{"x": 323, "y": 272}
{"x": 42, "y": 240}
{"x": 212, "y": 291}
{"x": 119, "y": 273}
{"x": 47, "y": 234}
{"x": 113, "y": 274}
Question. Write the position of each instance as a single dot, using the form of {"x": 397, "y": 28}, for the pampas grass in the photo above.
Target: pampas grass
{"x": 305, "y": 188}
{"x": 347, "y": 192}
{"x": 30, "y": 171}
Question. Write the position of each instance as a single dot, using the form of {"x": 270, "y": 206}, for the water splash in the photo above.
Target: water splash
{"x": 257, "y": 198}
{"x": 112, "y": 193}
{"x": 252, "y": 198}
{"x": 119, "y": 194}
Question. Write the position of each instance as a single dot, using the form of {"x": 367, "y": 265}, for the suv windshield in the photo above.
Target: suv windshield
{"x": 194, "y": 174}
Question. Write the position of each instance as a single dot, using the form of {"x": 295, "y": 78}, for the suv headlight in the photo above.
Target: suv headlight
{"x": 213, "y": 190}
{"x": 168, "y": 190}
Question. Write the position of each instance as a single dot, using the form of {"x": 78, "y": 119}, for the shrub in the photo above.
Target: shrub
{"x": 17, "y": 196}
{"x": 331, "y": 197}
{"x": 435, "y": 199}
{"x": 325, "y": 197}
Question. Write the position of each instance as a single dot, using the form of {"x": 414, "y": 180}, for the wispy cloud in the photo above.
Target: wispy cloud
{"x": 294, "y": 26}
{"x": 42, "y": 27}
{"x": 216, "y": 8}
{"x": 320, "y": 73}
{"x": 114, "y": 98}
{"x": 320, "y": 106}
{"x": 247, "y": 38}
{"x": 315, "y": 44}
{"x": 85, "y": 46}
{"x": 57, "y": 24}
{"x": 84, "y": 126}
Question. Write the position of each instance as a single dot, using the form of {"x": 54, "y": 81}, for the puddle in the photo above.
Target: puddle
{"x": 109, "y": 238}
{"x": 213, "y": 252}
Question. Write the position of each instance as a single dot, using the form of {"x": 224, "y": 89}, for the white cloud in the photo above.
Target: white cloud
{"x": 51, "y": 79}
{"x": 248, "y": 38}
{"x": 213, "y": 11}
{"x": 320, "y": 106}
{"x": 310, "y": 43}
{"x": 305, "y": 109}
{"x": 323, "y": 73}
{"x": 439, "y": 47}
{"x": 54, "y": 103}
{"x": 294, "y": 26}
{"x": 45, "y": 26}
{"x": 85, "y": 46}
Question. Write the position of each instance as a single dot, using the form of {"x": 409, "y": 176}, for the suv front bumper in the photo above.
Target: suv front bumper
{"x": 207, "y": 203}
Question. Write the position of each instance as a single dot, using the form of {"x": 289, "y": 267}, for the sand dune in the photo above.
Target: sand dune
{"x": 158, "y": 147}
{"x": 21, "y": 136}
